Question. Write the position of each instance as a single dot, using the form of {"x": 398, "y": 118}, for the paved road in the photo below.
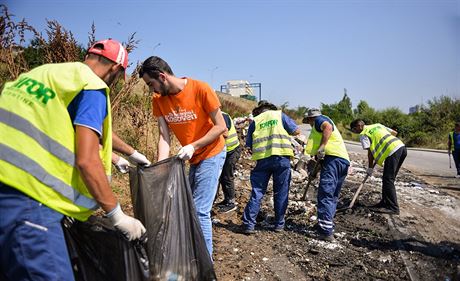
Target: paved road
{"x": 421, "y": 162}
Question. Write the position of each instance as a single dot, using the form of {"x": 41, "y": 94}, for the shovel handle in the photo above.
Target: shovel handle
{"x": 310, "y": 179}
{"x": 352, "y": 203}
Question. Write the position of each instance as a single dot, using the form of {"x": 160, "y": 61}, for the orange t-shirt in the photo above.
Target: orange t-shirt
{"x": 187, "y": 114}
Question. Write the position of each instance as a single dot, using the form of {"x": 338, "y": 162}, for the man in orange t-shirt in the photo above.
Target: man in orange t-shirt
{"x": 191, "y": 109}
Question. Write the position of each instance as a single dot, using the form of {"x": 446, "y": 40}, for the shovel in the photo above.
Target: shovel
{"x": 311, "y": 177}
{"x": 450, "y": 162}
{"x": 352, "y": 203}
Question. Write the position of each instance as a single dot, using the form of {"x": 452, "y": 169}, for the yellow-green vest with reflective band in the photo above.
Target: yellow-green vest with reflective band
{"x": 452, "y": 144}
{"x": 270, "y": 137}
{"x": 382, "y": 142}
{"x": 232, "y": 140}
{"x": 37, "y": 138}
{"x": 334, "y": 147}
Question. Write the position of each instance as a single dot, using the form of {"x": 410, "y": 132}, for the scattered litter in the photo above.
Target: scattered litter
{"x": 385, "y": 258}
{"x": 326, "y": 245}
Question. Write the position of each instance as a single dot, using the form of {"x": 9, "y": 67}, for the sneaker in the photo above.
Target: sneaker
{"x": 245, "y": 230}
{"x": 457, "y": 176}
{"x": 223, "y": 209}
{"x": 222, "y": 203}
{"x": 278, "y": 229}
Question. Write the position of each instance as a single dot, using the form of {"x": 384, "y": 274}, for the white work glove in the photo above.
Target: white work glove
{"x": 139, "y": 158}
{"x": 321, "y": 153}
{"x": 129, "y": 226}
{"x": 122, "y": 165}
{"x": 186, "y": 152}
{"x": 369, "y": 171}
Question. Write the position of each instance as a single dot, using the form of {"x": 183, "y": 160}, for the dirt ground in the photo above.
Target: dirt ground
{"x": 422, "y": 243}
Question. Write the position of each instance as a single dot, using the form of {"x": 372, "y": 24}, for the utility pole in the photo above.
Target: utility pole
{"x": 212, "y": 76}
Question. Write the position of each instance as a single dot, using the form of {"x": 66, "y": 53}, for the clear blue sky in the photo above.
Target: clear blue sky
{"x": 389, "y": 53}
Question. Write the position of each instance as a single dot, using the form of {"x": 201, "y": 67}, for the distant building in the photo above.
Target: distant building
{"x": 414, "y": 109}
{"x": 238, "y": 88}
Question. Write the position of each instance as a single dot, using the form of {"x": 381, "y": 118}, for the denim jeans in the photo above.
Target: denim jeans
{"x": 204, "y": 178}
{"x": 333, "y": 174}
{"x": 280, "y": 168}
{"x": 32, "y": 242}
{"x": 456, "y": 156}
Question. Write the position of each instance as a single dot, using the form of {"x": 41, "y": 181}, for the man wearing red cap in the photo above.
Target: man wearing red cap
{"x": 52, "y": 122}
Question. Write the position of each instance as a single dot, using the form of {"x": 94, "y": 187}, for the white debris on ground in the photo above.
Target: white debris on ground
{"x": 326, "y": 245}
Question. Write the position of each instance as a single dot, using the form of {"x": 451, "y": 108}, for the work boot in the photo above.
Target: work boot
{"x": 378, "y": 205}
{"x": 386, "y": 211}
{"x": 328, "y": 238}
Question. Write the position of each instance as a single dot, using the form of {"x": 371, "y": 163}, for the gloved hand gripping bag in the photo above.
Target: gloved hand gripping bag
{"x": 163, "y": 202}
{"x": 99, "y": 252}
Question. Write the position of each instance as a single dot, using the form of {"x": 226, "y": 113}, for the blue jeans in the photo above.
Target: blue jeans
{"x": 456, "y": 156}
{"x": 32, "y": 242}
{"x": 204, "y": 178}
{"x": 333, "y": 174}
{"x": 280, "y": 168}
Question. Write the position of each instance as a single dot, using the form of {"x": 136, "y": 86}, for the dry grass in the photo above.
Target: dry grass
{"x": 235, "y": 106}
{"x": 131, "y": 103}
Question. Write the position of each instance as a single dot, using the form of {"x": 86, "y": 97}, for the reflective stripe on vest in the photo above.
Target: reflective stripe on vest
{"x": 382, "y": 142}
{"x": 232, "y": 140}
{"x": 33, "y": 168}
{"x": 37, "y": 138}
{"x": 23, "y": 125}
{"x": 270, "y": 137}
{"x": 334, "y": 147}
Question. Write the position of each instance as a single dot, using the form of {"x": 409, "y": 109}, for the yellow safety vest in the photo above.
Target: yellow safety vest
{"x": 232, "y": 140}
{"x": 334, "y": 147}
{"x": 452, "y": 144}
{"x": 270, "y": 137}
{"x": 382, "y": 142}
{"x": 37, "y": 138}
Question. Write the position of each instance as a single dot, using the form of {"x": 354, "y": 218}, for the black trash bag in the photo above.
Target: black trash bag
{"x": 99, "y": 252}
{"x": 163, "y": 202}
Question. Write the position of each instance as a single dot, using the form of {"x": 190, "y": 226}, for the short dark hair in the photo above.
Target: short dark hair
{"x": 356, "y": 122}
{"x": 153, "y": 66}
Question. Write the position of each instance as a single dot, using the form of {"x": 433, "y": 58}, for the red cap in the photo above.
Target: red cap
{"x": 111, "y": 49}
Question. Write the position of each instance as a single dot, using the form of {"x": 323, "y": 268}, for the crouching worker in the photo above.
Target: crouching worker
{"x": 52, "y": 119}
{"x": 382, "y": 146}
{"x": 326, "y": 143}
{"x": 270, "y": 144}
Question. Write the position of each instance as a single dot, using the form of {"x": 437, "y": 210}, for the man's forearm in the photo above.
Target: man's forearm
{"x": 370, "y": 158}
{"x": 163, "y": 149}
{"x": 212, "y": 135}
{"x": 91, "y": 169}
{"x": 120, "y": 146}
